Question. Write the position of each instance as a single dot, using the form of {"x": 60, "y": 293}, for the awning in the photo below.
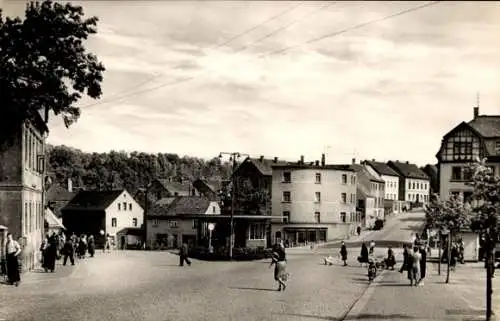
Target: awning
{"x": 52, "y": 219}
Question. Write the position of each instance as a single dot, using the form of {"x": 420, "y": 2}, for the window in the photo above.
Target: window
{"x": 287, "y": 177}
{"x": 462, "y": 150}
{"x": 317, "y": 217}
{"x": 195, "y": 224}
{"x": 113, "y": 222}
{"x": 353, "y": 198}
{"x": 214, "y": 210}
{"x": 256, "y": 231}
{"x": 134, "y": 222}
{"x": 409, "y": 185}
{"x": 129, "y": 206}
{"x": 343, "y": 217}
{"x": 156, "y": 222}
{"x": 413, "y": 185}
{"x": 172, "y": 224}
{"x": 344, "y": 179}
{"x": 318, "y": 178}
{"x": 286, "y": 217}
{"x": 344, "y": 198}
{"x": 287, "y": 197}
{"x": 497, "y": 147}
{"x": 317, "y": 197}
{"x": 124, "y": 206}
{"x": 119, "y": 206}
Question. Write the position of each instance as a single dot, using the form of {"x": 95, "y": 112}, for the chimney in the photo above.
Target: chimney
{"x": 316, "y": 163}
{"x": 407, "y": 162}
{"x": 476, "y": 112}
{"x": 323, "y": 160}
{"x": 261, "y": 158}
{"x": 275, "y": 159}
{"x": 373, "y": 160}
{"x": 301, "y": 159}
{"x": 354, "y": 160}
{"x": 70, "y": 185}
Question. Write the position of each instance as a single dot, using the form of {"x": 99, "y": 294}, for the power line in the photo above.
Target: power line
{"x": 277, "y": 31}
{"x": 330, "y": 35}
{"x": 217, "y": 46}
{"x": 358, "y": 26}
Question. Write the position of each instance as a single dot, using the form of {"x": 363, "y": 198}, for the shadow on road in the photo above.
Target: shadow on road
{"x": 412, "y": 219}
{"x": 392, "y": 284}
{"x": 310, "y": 316}
{"x": 253, "y": 289}
{"x": 366, "y": 316}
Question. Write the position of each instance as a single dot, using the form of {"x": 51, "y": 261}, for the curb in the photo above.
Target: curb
{"x": 357, "y": 308}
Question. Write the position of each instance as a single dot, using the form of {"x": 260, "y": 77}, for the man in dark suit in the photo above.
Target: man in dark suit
{"x": 183, "y": 255}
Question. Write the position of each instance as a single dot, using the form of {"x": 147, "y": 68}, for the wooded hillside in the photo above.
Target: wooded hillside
{"x": 115, "y": 170}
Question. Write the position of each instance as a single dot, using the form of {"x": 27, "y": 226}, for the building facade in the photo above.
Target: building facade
{"x": 414, "y": 184}
{"x": 478, "y": 138}
{"x": 22, "y": 163}
{"x": 90, "y": 212}
{"x": 316, "y": 202}
{"x": 370, "y": 195}
{"x": 388, "y": 175}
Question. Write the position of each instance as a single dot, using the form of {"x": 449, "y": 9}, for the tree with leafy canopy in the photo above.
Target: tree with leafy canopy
{"x": 450, "y": 215}
{"x": 485, "y": 221}
{"x": 44, "y": 65}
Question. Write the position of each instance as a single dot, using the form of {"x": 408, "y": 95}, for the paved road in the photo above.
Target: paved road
{"x": 150, "y": 286}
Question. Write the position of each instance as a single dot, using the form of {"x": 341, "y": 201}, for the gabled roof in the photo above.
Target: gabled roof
{"x": 381, "y": 168}
{"x": 58, "y": 193}
{"x": 173, "y": 187}
{"x": 430, "y": 169}
{"x": 212, "y": 185}
{"x": 408, "y": 170}
{"x": 181, "y": 206}
{"x": 295, "y": 165}
{"x": 487, "y": 126}
{"x": 92, "y": 200}
{"x": 359, "y": 169}
{"x": 263, "y": 165}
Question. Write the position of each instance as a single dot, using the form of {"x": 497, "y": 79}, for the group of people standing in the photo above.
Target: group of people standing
{"x": 415, "y": 263}
{"x": 57, "y": 246}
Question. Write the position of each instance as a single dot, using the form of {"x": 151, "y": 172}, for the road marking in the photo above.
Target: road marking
{"x": 360, "y": 304}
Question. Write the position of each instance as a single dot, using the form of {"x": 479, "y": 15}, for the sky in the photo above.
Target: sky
{"x": 387, "y": 91}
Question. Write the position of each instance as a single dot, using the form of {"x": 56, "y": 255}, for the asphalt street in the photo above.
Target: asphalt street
{"x": 128, "y": 285}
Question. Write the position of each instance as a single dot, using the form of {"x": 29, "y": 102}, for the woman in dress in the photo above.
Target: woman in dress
{"x": 12, "y": 250}
{"x": 279, "y": 262}
{"x": 363, "y": 258}
{"x": 343, "y": 253}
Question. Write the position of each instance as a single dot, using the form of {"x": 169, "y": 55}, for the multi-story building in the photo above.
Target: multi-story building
{"x": 388, "y": 175}
{"x": 414, "y": 184}
{"x": 370, "y": 195}
{"x": 21, "y": 186}
{"x": 479, "y": 137}
{"x": 314, "y": 201}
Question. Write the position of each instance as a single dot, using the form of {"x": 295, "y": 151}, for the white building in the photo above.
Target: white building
{"x": 414, "y": 184}
{"x": 388, "y": 175}
{"x": 317, "y": 201}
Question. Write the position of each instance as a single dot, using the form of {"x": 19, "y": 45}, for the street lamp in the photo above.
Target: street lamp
{"x": 211, "y": 227}
{"x": 232, "y": 157}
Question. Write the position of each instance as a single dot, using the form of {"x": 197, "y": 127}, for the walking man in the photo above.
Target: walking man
{"x": 183, "y": 255}
{"x": 69, "y": 251}
{"x": 13, "y": 249}
{"x": 343, "y": 253}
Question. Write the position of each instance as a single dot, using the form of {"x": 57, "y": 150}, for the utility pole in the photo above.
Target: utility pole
{"x": 232, "y": 157}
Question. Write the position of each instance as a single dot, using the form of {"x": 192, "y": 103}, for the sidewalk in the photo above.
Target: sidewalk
{"x": 469, "y": 282}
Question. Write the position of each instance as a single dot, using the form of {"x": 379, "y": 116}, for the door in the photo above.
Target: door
{"x": 123, "y": 242}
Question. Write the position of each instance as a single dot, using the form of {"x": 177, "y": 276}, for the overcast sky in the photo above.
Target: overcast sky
{"x": 389, "y": 90}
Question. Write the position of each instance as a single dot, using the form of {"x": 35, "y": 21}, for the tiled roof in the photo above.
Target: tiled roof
{"x": 381, "y": 168}
{"x": 487, "y": 126}
{"x": 58, "y": 193}
{"x": 408, "y": 170}
{"x": 92, "y": 200}
{"x": 175, "y": 187}
{"x": 181, "y": 206}
{"x": 264, "y": 165}
{"x": 313, "y": 166}
{"x": 360, "y": 169}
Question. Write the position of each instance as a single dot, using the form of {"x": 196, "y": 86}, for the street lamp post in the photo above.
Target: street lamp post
{"x": 211, "y": 227}
{"x": 232, "y": 157}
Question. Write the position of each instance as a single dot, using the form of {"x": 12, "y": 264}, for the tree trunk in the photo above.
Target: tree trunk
{"x": 490, "y": 257}
{"x": 449, "y": 259}
{"x": 439, "y": 252}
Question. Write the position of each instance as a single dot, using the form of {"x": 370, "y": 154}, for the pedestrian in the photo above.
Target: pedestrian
{"x": 372, "y": 247}
{"x": 390, "y": 261}
{"x": 279, "y": 262}
{"x": 183, "y": 255}
{"x": 43, "y": 248}
{"x": 453, "y": 257}
{"x": 423, "y": 264}
{"x": 343, "y": 253}
{"x": 12, "y": 250}
{"x": 406, "y": 259}
{"x": 82, "y": 247}
{"x": 51, "y": 254}
{"x": 358, "y": 230}
{"x": 107, "y": 244}
{"x": 414, "y": 270}
{"x": 91, "y": 245}
{"x": 69, "y": 251}
{"x": 363, "y": 258}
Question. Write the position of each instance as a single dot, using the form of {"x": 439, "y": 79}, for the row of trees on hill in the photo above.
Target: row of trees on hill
{"x": 106, "y": 171}
{"x": 481, "y": 216}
